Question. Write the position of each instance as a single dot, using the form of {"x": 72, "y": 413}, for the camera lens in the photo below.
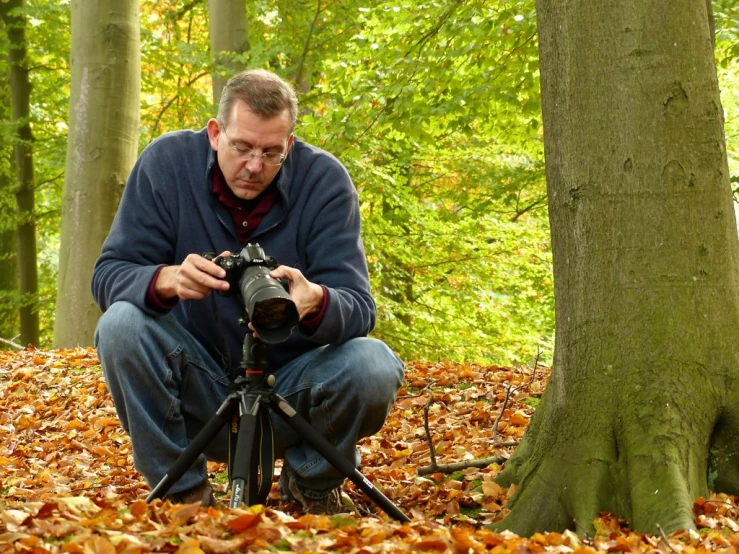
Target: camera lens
{"x": 272, "y": 312}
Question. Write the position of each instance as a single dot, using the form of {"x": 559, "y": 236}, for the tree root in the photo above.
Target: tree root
{"x": 646, "y": 463}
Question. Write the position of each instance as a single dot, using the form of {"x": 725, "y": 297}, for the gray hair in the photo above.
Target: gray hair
{"x": 266, "y": 94}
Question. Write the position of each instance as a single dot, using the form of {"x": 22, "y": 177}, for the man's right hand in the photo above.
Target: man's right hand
{"x": 192, "y": 280}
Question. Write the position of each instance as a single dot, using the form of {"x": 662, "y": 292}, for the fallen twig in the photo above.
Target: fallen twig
{"x": 458, "y": 466}
{"x": 664, "y": 538}
{"x": 11, "y": 343}
{"x": 432, "y": 452}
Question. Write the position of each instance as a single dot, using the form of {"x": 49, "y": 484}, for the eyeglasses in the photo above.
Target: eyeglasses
{"x": 247, "y": 154}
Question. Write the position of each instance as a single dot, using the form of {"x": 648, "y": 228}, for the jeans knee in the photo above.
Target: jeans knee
{"x": 380, "y": 372}
{"x": 118, "y": 329}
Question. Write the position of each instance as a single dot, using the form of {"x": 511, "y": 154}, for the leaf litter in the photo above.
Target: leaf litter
{"x": 68, "y": 484}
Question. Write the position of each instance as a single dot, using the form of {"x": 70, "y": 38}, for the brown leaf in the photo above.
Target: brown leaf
{"x": 191, "y": 546}
{"x": 98, "y": 545}
{"x": 243, "y": 522}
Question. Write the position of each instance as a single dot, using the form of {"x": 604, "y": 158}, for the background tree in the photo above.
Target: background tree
{"x": 640, "y": 416}
{"x": 20, "y": 92}
{"x": 228, "y": 41}
{"x": 8, "y": 239}
{"x": 102, "y": 148}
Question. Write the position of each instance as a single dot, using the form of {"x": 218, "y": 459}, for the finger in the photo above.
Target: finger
{"x": 284, "y": 272}
{"x": 206, "y": 266}
{"x": 189, "y": 290}
{"x": 201, "y": 275}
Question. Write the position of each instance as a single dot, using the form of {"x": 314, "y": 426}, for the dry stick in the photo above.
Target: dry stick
{"x": 458, "y": 466}
{"x": 11, "y": 343}
{"x": 664, "y": 538}
{"x": 432, "y": 453}
{"x": 482, "y": 462}
{"x": 500, "y": 415}
{"x": 584, "y": 529}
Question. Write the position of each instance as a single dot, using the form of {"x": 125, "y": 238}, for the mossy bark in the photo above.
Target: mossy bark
{"x": 641, "y": 414}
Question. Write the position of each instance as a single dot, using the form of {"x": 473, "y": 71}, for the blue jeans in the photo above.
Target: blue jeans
{"x": 166, "y": 387}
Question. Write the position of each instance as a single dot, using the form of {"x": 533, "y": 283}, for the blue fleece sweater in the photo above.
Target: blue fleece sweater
{"x": 167, "y": 212}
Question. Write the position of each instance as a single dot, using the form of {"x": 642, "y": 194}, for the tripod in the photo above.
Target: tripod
{"x": 247, "y": 406}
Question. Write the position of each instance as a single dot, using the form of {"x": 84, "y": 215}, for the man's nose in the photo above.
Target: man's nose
{"x": 254, "y": 165}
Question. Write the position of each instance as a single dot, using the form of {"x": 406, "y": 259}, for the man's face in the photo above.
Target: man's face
{"x": 240, "y": 146}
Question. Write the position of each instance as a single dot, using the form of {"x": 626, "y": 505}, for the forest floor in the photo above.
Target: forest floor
{"x": 67, "y": 481}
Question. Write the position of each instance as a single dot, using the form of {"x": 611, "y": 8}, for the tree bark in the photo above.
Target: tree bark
{"x": 8, "y": 266}
{"x": 228, "y": 38}
{"x": 641, "y": 415}
{"x": 20, "y": 94}
{"x": 102, "y": 148}
{"x": 8, "y": 223}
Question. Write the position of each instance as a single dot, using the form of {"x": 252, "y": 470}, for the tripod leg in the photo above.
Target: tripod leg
{"x": 241, "y": 462}
{"x": 194, "y": 449}
{"x": 327, "y": 450}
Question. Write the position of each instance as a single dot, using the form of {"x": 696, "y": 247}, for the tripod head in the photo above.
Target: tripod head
{"x": 253, "y": 369}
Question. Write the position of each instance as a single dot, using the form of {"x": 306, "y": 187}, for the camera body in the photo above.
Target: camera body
{"x": 269, "y": 307}
{"x": 235, "y": 264}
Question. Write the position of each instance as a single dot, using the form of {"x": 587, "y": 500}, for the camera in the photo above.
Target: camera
{"x": 270, "y": 309}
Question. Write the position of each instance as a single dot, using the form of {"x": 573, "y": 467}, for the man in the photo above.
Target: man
{"x": 167, "y": 351}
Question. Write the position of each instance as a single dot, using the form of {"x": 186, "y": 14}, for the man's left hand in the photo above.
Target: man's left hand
{"x": 308, "y": 297}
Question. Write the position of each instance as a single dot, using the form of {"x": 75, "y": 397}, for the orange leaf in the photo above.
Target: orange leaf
{"x": 98, "y": 545}
{"x": 431, "y": 544}
{"x": 243, "y": 522}
{"x": 184, "y": 513}
{"x": 139, "y": 509}
{"x": 491, "y": 488}
{"x": 190, "y": 546}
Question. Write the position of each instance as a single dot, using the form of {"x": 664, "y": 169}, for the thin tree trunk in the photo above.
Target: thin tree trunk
{"x": 642, "y": 412}
{"x": 8, "y": 224}
{"x": 228, "y": 37}
{"x": 102, "y": 148}
{"x": 20, "y": 92}
{"x": 8, "y": 269}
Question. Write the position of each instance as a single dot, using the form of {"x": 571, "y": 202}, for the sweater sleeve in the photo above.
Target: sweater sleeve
{"x": 141, "y": 240}
{"x": 335, "y": 258}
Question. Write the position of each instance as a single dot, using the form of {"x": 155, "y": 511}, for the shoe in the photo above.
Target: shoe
{"x": 329, "y": 504}
{"x": 202, "y": 493}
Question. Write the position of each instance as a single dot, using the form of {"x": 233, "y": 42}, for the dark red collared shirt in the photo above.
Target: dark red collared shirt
{"x": 246, "y": 214}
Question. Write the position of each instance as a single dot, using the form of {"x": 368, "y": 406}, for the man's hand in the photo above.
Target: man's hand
{"x": 192, "y": 280}
{"x": 308, "y": 297}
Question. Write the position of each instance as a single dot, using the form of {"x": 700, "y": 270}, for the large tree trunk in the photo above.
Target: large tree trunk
{"x": 20, "y": 94}
{"x": 228, "y": 38}
{"x": 642, "y": 412}
{"x": 102, "y": 148}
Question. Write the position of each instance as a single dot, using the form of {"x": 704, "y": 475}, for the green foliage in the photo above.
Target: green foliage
{"x": 726, "y": 15}
{"x": 434, "y": 108}
{"x": 448, "y": 162}
{"x": 175, "y": 67}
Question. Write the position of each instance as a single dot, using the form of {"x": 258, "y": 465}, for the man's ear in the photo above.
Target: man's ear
{"x": 214, "y": 131}
{"x": 290, "y": 143}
